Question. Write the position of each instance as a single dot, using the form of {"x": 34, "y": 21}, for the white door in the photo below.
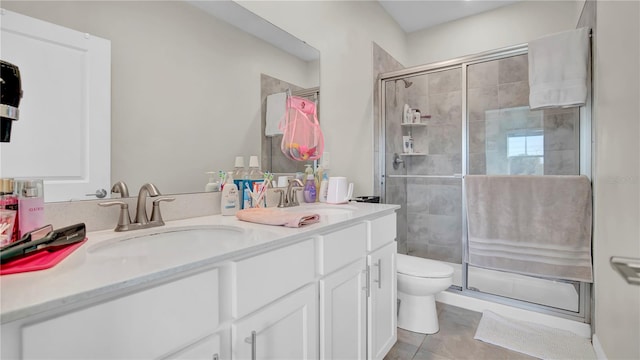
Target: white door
{"x": 382, "y": 301}
{"x": 64, "y": 132}
{"x": 285, "y": 329}
{"x": 343, "y": 313}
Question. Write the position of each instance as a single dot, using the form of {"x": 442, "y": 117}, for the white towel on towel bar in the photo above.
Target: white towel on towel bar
{"x": 276, "y": 107}
{"x": 532, "y": 225}
{"x": 558, "y": 69}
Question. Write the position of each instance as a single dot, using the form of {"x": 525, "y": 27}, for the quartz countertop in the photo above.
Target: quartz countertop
{"x": 90, "y": 272}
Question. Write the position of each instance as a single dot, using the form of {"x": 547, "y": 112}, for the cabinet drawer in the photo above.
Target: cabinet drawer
{"x": 147, "y": 324}
{"x": 340, "y": 248}
{"x": 258, "y": 280}
{"x": 381, "y": 231}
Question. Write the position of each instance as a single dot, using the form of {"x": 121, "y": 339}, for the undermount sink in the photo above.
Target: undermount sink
{"x": 171, "y": 242}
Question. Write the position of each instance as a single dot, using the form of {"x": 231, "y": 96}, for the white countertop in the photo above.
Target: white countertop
{"x": 100, "y": 267}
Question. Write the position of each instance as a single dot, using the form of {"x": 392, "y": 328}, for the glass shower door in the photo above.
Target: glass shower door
{"x": 425, "y": 175}
{"x": 506, "y": 138}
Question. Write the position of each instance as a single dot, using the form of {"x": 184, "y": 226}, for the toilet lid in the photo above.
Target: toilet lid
{"x": 420, "y": 267}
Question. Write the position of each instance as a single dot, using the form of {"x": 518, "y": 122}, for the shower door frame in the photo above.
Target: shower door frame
{"x": 585, "y": 162}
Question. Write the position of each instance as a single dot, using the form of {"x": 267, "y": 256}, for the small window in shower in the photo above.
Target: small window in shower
{"x": 525, "y": 153}
{"x": 525, "y": 145}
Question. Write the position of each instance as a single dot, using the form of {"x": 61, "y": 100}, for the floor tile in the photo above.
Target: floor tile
{"x": 453, "y": 341}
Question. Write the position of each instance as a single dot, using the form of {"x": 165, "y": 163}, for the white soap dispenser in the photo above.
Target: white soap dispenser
{"x": 230, "y": 201}
{"x": 212, "y": 185}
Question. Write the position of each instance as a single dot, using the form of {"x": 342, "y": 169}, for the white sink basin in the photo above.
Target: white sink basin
{"x": 171, "y": 242}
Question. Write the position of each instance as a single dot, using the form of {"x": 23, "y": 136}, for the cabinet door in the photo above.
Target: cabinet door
{"x": 343, "y": 303}
{"x": 285, "y": 329}
{"x": 143, "y": 325}
{"x": 382, "y": 301}
{"x": 205, "y": 349}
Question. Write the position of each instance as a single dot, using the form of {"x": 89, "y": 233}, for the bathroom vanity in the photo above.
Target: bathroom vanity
{"x": 215, "y": 288}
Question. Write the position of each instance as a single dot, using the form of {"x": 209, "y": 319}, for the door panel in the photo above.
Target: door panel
{"x": 64, "y": 133}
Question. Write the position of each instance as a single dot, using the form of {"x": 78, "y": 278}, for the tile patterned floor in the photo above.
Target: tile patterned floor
{"x": 453, "y": 341}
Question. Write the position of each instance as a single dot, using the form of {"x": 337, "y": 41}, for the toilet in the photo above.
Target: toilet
{"x": 419, "y": 280}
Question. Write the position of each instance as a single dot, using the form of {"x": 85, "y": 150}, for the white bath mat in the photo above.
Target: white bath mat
{"x": 532, "y": 339}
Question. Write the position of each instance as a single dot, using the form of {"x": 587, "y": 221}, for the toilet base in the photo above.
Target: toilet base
{"x": 418, "y": 313}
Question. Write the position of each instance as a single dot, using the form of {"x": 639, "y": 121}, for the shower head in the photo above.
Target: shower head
{"x": 406, "y": 83}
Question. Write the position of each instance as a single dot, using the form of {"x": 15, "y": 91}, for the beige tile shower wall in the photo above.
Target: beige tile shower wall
{"x": 434, "y": 206}
{"x": 498, "y": 100}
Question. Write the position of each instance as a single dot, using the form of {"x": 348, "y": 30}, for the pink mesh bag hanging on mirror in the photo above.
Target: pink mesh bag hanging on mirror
{"x": 302, "y": 138}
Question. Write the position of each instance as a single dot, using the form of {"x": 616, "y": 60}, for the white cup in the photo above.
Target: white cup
{"x": 338, "y": 191}
{"x": 283, "y": 181}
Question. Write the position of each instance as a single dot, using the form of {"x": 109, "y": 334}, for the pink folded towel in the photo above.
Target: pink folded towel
{"x": 277, "y": 217}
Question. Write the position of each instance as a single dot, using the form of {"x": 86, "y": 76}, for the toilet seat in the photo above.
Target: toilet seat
{"x": 420, "y": 267}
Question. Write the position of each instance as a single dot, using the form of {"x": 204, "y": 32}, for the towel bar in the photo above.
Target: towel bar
{"x": 629, "y": 268}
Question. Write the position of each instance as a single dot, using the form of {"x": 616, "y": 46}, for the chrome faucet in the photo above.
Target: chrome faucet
{"x": 288, "y": 198}
{"x": 120, "y": 188}
{"x": 141, "y": 220}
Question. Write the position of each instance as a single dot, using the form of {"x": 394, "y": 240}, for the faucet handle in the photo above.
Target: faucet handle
{"x": 294, "y": 196}
{"x": 125, "y": 219}
{"x": 156, "y": 216}
{"x": 281, "y": 202}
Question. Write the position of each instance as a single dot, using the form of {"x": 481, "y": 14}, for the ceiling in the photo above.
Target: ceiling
{"x": 412, "y": 15}
{"x": 417, "y": 15}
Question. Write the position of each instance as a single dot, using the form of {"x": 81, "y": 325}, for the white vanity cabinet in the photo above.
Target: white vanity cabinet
{"x": 329, "y": 293}
{"x": 382, "y": 317}
{"x": 358, "y": 290}
{"x": 147, "y": 324}
{"x": 274, "y": 301}
{"x": 343, "y": 293}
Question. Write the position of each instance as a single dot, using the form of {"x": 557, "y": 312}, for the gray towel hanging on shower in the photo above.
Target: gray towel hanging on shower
{"x": 532, "y": 225}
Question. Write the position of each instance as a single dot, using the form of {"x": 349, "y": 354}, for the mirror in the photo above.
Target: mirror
{"x": 188, "y": 84}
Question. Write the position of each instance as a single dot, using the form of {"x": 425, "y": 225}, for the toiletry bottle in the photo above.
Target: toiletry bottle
{"x": 246, "y": 197}
{"x": 30, "y": 204}
{"x": 239, "y": 171}
{"x": 9, "y": 201}
{"x": 254, "y": 169}
{"x": 229, "y": 204}
{"x": 212, "y": 185}
{"x": 310, "y": 189}
{"x": 324, "y": 187}
{"x": 318, "y": 179}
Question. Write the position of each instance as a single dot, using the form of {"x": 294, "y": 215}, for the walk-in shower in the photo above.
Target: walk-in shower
{"x": 474, "y": 118}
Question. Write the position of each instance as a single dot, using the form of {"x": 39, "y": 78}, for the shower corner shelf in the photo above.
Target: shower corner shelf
{"x": 413, "y": 124}
{"x": 412, "y": 154}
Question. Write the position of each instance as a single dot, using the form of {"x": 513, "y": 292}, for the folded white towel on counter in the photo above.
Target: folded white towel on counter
{"x": 558, "y": 69}
{"x": 532, "y": 225}
{"x": 276, "y": 107}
